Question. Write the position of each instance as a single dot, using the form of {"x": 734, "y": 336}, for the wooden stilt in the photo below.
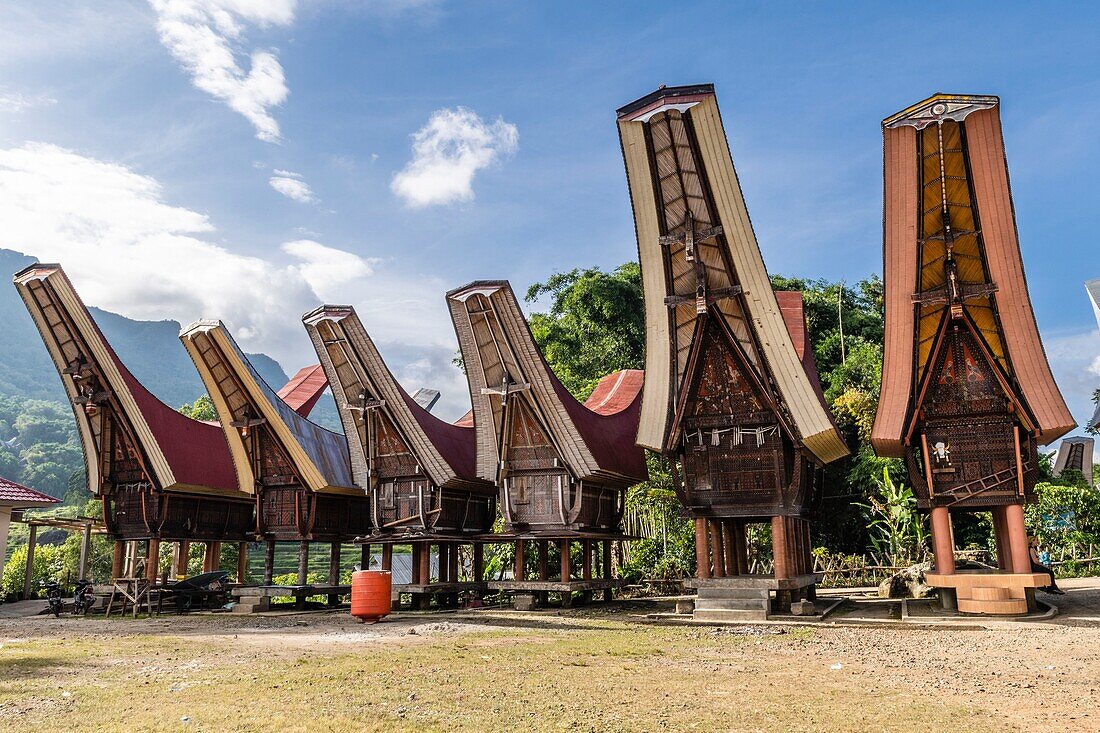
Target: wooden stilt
{"x": 334, "y": 564}
{"x": 426, "y": 563}
{"x": 452, "y": 571}
{"x": 740, "y": 547}
{"x": 519, "y": 569}
{"x": 417, "y": 549}
{"x": 544, "y": 558}
{"x": 183, "y": 559}
{"x": 1017, "y": 538}
{"x": 479, "y": 562}
{"x": 943, "y": 544}
{"x": 303, "y": 562}
{"x": 269, "y": 562}
{"x": 606, "y": 569}
{"x": 117, "y": 556}
{"x": 152, "y": 560}
{"x": 387, "y": 557}
{"x": 1000, "y": 534}
{"x": 566, "y": 574}
{"x": 779, "y": 548}
{"x": 586, "y": 558}
{"x": 730, "y": 557}
{"x": 28, "y": 571}
{"x": 717, "y": 550}
{"x": 702, "y": 549}
{"x": 242, "y": 562}
{"x": 85, "y": 552}
{"x": 210, "y": 558}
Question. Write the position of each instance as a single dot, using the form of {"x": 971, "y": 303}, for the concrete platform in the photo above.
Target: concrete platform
{"x": 991, "y": 593}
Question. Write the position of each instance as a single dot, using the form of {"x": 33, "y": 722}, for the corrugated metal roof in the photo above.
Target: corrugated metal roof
{"x": 304, "y": 389}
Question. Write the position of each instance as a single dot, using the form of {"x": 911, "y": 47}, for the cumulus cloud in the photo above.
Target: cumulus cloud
{"x": 327, "y": 270}
{"x": 131, "y": 252}
{"x": 448, "y": 152}
{"x": 205, "y": 37}
{"x": 18, "y": 102}
{"x": 292, "y": 186}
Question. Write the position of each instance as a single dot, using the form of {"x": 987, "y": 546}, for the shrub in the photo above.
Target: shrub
{"x": 47, "y": 566}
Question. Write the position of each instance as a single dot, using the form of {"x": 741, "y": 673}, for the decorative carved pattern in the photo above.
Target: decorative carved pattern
{"x": 737, "y": 461}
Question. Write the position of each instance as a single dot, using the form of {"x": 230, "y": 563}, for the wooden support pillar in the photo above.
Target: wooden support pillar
{"x": 606, "y": 569}
{"x": 334, "y": 564}
{"x": 717, "y": 550}
{"x": 387, "y": 557}
{"x": 183, "y": 553}
{"x": 130, "y": 569}
{"x": 452, "y": 571}
{"x": 702, "y": 549}
{"x": 943, "y": 544}
{"x": 479, "y": 562}
{"x": 425, "y": 563}
{"x": 28, "y": 571}
{"x": 728, "y": 545}
{"x": 269, "y": 562}
{"x": 566, "y": 574}
{"x": 1017, "y": 538}
{"x": 779, "y": 548}
{"x": 85, "y": 552}
{"x": 152, "y": 558}
{"x": 519, "y": 570}
{"x": 586, "y": 555}
{"x": 242, "y": 562}
{"x": 417, "y": 549}
{"x": 303, "y": 562}
{"x": 1000, "y": 536}
{"x": 740, "y": 547}
{"x": 116, "y": 559}
{"x": 544, "y": 560}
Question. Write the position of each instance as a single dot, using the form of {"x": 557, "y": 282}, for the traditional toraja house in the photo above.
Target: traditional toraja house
{"x": 297, "y": 472}
{"x": 161, "y": 475}
{"x": 419, "y": 471}
{"x": 1075, "y": 454}
{"x": 967, "y": 394}
{"x": 731, "y": 393}
{"x": 561, "y": 467}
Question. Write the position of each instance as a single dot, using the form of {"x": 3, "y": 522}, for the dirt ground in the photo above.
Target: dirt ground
{"x": 603, "y": 668}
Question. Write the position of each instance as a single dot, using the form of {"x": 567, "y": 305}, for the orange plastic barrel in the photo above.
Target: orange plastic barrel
{"x": 370, "y": 594}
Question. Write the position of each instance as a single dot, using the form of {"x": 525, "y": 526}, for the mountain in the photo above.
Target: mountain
{"x": 150, "y": 349}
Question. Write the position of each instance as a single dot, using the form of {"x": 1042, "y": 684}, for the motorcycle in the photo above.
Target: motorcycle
{"x": 84, "y": 598}
{"x": 53, "y": 596}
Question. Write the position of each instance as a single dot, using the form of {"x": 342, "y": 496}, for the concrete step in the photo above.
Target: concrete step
{"x": 730, "y": 604}
{"x": 1010, "y": 607}
{"x": 986, "y": 593}
{"x": 741, "y": 593}
{"x": 730, "y": 616}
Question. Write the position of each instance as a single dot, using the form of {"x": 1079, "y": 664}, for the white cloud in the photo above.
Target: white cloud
{"x": 292, "y": 186}
{"x": 131, "y": 252}
{"x": 328, "y": 270}
{"x": 1095, "y": 368}
{"x": 18, "y": 102}
{"x": 448, "y": 152}
{"x": 204, "y": 36}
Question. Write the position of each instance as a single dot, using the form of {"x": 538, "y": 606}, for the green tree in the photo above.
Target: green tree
{"x": 201, "y": 409}
{"x": 595, "y": 324}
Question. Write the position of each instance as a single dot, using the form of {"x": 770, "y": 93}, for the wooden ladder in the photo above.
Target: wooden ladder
{"x": 970, "y": 489}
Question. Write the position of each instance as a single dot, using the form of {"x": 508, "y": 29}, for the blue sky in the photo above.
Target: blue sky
{"x": 140, "y": 123}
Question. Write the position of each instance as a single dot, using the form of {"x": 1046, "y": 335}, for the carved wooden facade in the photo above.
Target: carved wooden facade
{"x": 298, "y": 472}
{"x": 418, "y": 469}
{"x": 979, "y": 396}
{"x": 561, "y": 467}
{"x": 160, "y": 474}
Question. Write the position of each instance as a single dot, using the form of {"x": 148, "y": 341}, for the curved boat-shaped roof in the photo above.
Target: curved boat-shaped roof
{"x": 700, "y": 259}
{"x": 497, "y": 345}
{"x": 964, "y": 171}
{"x": 178, "y": 453}
{"x": 304, "y": 389}
{"x": 320, "y": 456}
{"x": 445, "y": 451}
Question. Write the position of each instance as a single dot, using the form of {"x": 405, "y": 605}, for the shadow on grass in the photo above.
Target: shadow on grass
{"x": 29, "y": 665}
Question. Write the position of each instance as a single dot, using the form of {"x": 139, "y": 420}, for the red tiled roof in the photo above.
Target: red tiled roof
{"x": 304, "y": 389}
{"x": 13, "y": 494}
